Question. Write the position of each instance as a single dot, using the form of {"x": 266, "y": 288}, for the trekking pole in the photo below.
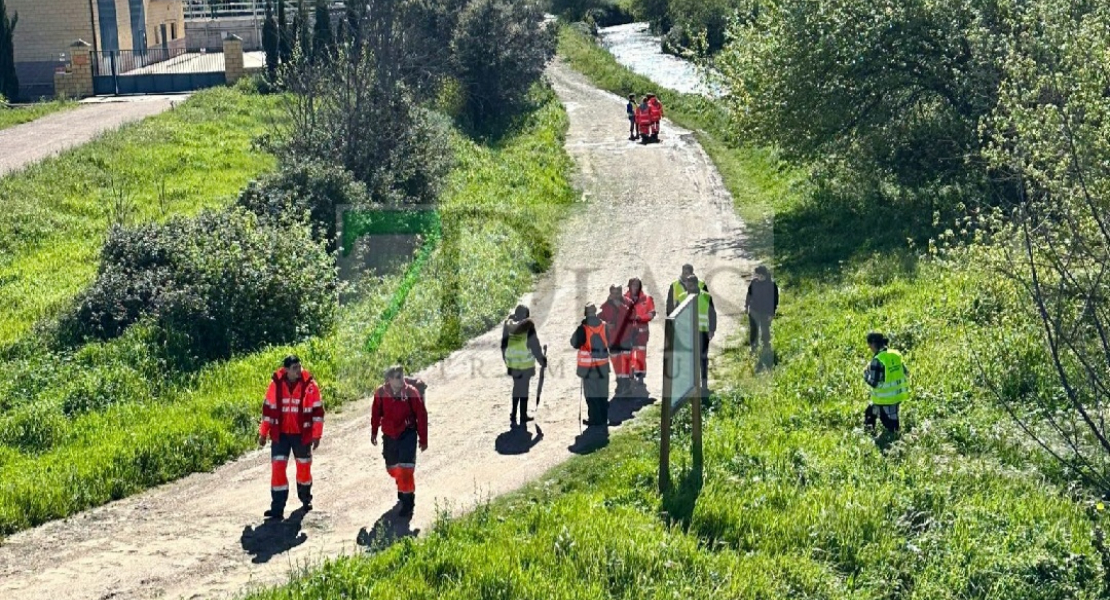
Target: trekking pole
{"x": 581, "y": 398}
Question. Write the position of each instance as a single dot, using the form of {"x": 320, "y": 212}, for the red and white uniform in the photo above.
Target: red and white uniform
{"x": 295, "y": 410}
{"x": 642, "y": 312}
{"x": 618, "y": 325}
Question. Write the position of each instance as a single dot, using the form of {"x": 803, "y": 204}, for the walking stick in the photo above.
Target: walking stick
{"x": 543, "y": 369}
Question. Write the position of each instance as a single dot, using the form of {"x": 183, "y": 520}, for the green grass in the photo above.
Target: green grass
{"x": 10, "y": 117}
{"x": 109, "y": 421}
{"x": 57, "y": 211}
{"x": 795, "y": 500}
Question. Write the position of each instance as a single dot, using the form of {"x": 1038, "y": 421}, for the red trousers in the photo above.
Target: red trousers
{"x": 637, "y": 359}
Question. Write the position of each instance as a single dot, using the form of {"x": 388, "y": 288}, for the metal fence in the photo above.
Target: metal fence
{"x": 222, "y": 9}
{"x": 155, "y": 61}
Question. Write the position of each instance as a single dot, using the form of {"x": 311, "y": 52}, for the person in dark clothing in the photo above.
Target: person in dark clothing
{"x": 590, "y": 340}
{"x": 521, "y": 350}
{"x": 630, "y": 108}
{"x": 761, "y": 305}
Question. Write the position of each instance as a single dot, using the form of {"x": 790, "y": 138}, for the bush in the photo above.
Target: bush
{"x": 346, "y": 113}
{"x": 893, "y": 91}
{"x": 500, "y": 49}
{"x": 305, "y": 189}
{"x": 214, "y": 285}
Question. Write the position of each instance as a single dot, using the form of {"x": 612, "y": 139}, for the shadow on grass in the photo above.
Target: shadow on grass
{"x": 682, "y": 495}
{"x": 273, "y": 537}
{"x": 814, "y": 239}
{"x": 517, "y": 440}
{"x": 389, "y": 529}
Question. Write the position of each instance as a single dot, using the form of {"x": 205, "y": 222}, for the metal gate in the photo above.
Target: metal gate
{"x": 156, "y": 71}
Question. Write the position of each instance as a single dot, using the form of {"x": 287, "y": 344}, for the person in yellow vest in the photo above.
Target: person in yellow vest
{"x": 887, "y": 376}
{"x": 593, "y": 366}
{"x": 707, "y": 322}
{"x": 521, "y": 350}
{"x": 678, "y": 288}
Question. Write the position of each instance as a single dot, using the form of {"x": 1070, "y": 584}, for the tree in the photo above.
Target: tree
{"x": 285, "y": 34}
{"x": 1051, "y": 135}
{"x": 302, "y": 35}
{"x": 323, "y": 40}
{"x": 500, "y": 49}
{"x": 271, "y": 41}
{"x": 350, "y": 113}
{"x": 883, "y": 90}
{"x": 9, "y": 82}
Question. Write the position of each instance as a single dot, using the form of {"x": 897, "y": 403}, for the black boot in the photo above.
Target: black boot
{"x": 408, "y": 504}
{"x": 304, "y": 493}
{"x": 275, "y": 513}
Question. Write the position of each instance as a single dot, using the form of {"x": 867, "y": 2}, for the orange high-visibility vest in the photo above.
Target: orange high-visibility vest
{"x": 588, "y": 356}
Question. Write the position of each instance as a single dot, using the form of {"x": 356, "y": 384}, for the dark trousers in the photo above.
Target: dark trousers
{"x": 596, "y": 384}
{"x": 886, "y": 413}
{"x": 400, "y": 460}
{"x": 759, "y": 329}
{"x": 632, "y": 127}
{"x": 521, "y": 385}
{"x": 704, "y": 363}
{"x": 279, "y": 458}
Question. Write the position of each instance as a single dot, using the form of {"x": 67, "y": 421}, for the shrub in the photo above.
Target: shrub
{"x": 214, "y": 285}
{"x": 500, "y": 49}
{"x": 305, "y": 189}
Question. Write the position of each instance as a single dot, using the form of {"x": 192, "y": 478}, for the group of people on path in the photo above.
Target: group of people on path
{"x": 614, "y": 337}
{"x": 644, "y": 118}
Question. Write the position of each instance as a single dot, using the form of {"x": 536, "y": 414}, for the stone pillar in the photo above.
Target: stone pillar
{"x": 77, "y": 80}
{"x": 233, "y": 59}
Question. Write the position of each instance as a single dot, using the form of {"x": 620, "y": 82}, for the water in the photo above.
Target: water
{"x": 635, "y": 47}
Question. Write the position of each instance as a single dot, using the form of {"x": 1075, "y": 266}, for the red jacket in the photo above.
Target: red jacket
{"x": 642, "y": 308}
{"x": 395, "y": 414}
{"x": 655, "y": 109}
{"x": 295, "y": 406}
{"x": 619, "y": 322}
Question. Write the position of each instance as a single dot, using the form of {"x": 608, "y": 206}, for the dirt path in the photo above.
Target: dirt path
{"x": 28, "y": 143}
{"x": 202, "y": 537}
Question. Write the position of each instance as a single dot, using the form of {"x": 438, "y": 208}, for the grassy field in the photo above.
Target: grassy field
{"x": 795, "y": 499}
{"x": 108, "y": 421}
{"x": 57, "y": 211}
{"x": 29, "y": 112}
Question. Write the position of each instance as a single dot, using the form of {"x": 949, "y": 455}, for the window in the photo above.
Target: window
{"x": 173, "y": 31}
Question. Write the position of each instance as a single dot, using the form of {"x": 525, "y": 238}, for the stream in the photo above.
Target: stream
{"x": 634, "y": 46}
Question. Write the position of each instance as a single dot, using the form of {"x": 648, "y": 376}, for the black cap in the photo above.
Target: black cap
{"x": 290, "y": 361}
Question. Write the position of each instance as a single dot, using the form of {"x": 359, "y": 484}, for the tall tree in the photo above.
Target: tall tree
{"x": 9, "y": 82}
{"x": 285, "y": 34}
{"x": 302, "y": 35}
{"x": 323, "y": 40}
{"x": 270, "y": 40}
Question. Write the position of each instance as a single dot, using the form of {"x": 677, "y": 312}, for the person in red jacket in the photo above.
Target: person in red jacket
{"x": 655, "y": 110}
{"x": 399, "y": 412}
{"x": 642, "y": 312}
{"x": 293, "y": 419}
{"x": 617, "y": 314}
{"x": 643, "y": 121}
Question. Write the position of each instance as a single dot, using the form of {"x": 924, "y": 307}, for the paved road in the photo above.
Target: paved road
{"x": 203, "y": 536}
{"x": 28, "y": 143}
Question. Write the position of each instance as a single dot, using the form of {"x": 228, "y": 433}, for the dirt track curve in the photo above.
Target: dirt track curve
{"x": 203, "y": 537}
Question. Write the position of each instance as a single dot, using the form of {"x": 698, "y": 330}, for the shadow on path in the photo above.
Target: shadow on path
{"x": 624, "y": 408}
{"x": 517, "y": 441}
{"x": 273, "y": 537}
{"x": 591, "y": 440}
